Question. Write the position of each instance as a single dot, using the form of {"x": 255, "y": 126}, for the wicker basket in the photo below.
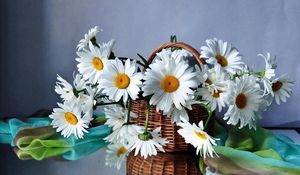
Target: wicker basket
{"x": 168, "y": 129}
{"x": 157, "y": 119}
{"x": 179, "y": 163}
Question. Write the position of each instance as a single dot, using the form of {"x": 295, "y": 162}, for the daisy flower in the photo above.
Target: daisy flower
{"x": 202, "y": 73}
{"x": 120, "y": 81}
{"x": 124, "y": 134}
{"x": 179, "y": 54}
{"x": 215, "y": 99}
{"x": 215, "y": 87}
{"x": 267, "y": 86}
{"x": 195, "y": 136}
{"x": 147, "y": 143}
{"x": 244, "y": 101}
{"x": 69, "y": 119}
{"x": 94, "y": 60}
{"x": 268, "y": 73}
{"x": 176, "y": 114}
{"x": 281, "y": 88}
{"x": 116, "y": 116}
{"x": 79, "y": 96}
{"x": 88, "y": 37}
{"x": 68, "y": 92}
{"x": 271, "y": 62}
{"x": 218, "y": 52}
{"x": 116, "y": 154}
{"x": 215, "y": 79}
{"x": 87, "y": 101}
{"x": 169, "y": 83}
{"x": 259, "y": 113}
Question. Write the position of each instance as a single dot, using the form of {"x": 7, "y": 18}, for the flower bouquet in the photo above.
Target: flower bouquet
{"x": 164, "y": 103}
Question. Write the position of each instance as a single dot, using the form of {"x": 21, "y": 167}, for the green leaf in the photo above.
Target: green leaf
{"x": 173, "y": 38}
{"x": 201, "y": 165}
{"x": 98, "y": 121}
{"x": 209, "y": 112}
{"x": 144, "y": 60}
{"x": 269, "y": 153}
{"x": 112, "y": 56}
{"x": 94, "y": 42}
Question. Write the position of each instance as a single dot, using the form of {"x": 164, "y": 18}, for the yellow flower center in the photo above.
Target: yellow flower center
{"x": 121, "y": 151}
{"x": 276, "y": 86}
{"x": 201, "y": 135}
{"x": 222, "y": 60}
{"x": 241, "y": 101}
{"x": 122, "y": 81}
{"x": 208, "y": 81}
{"x": 216, "y": 94}
{"x": 71, "y": 118}
{"x": 169, "y": 83}
{"x": 97, "y": 63}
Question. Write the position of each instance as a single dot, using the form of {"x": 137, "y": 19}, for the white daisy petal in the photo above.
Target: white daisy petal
{"x": 116, "y": 154}
{"x": 195, "y": 136}
{"x": 223, "y": 54}
{"x": 87, "y": 37}
{"x": 170, "y": 81}
{"x": 116, "y": 116}
{"x": 244, "y": 101}
{"x": 123, "y": 80}
{"x": 93, "y": 61}
{"x": 148, "y": 147}
{"x": 69, "y": 120}
{"x": 281, "y": 88}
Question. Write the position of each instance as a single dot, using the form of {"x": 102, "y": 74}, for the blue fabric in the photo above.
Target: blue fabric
{"x": 287, "y": 149}
{"x": 36, "y": 139}
{"x": 92, "y": 142}
{"x": 244, "y": 151}
{"x": 9, "y": 130}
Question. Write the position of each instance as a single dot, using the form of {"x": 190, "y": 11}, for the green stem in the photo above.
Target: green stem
{"x": 82, "y": 90}
{"x": 94, "y": 85}
{"x": 147, "y": 118}
{"x": 262, "y": 73}
{"x": 94, "y": 42}
{"x": 144, "y": 60}
{"x": 174, "y": 39}
{"x": 245, "y": 73}
{"x": 138, "y": 62}
{"x": 201, "y": 165}
{"x": 76, "y": 92}
{"x": 102, "y": 104}
{"x": 209, "y": 112}
{"x": 102, "y": 96}
{"x": 98, "y": 121}
{"x": 128, "y": 112}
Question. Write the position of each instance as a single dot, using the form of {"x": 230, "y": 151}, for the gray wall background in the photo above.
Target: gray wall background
{"x": 39, "y": 38}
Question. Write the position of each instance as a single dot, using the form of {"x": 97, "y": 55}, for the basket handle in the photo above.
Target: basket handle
{"x": 182, "y": 45}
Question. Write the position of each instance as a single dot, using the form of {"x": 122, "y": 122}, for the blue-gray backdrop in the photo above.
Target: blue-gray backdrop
{"x": 39, "y": 38}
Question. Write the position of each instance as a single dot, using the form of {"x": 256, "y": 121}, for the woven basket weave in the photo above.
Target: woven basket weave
{"x": 179, "y": 163}
{"x": 168, "y": 129}
{"x": 157, "y": 119}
